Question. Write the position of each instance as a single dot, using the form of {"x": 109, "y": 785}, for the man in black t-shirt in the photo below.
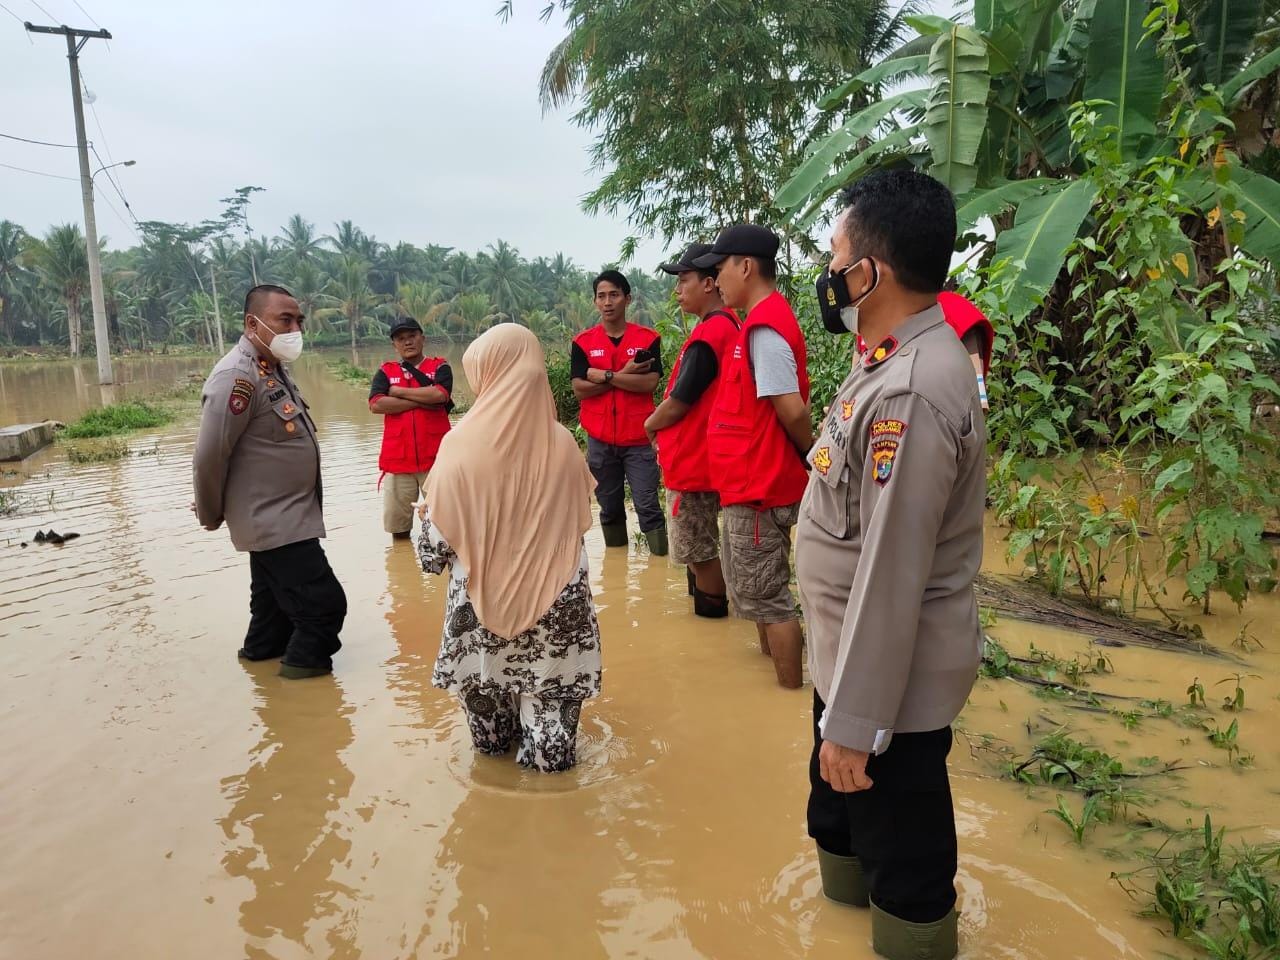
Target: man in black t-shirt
{"x": 678, "y": 428}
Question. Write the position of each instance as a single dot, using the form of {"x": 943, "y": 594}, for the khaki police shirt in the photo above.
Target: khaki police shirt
{"x": 257, "y": 463}
{"x": 889, "y": 540}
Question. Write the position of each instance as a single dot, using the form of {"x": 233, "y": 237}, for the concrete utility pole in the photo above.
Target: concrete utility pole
{"x": 75, "y": 40}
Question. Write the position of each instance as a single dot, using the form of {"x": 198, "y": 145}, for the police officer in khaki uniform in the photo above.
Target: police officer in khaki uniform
{"x": 888, "y": 546}
{"x": 257, "y": 466}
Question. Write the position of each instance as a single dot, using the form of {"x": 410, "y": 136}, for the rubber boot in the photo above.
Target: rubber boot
{"x": 657, "y": 540}
{"x": 842, "y": 879}
{"x": 615, "y": 534}
{"x": 693, "y": 581}
{"x": 709, "y": 605}
{"x": 896, "y": 939}
{"x": 291, "y": 672}
{"x": 244, "y": 654}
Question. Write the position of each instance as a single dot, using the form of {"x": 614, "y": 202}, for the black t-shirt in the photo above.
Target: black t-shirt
{"x": 698, "y": 370}
{"x": 381, "y": 386}
{"x": 579, "y": 365}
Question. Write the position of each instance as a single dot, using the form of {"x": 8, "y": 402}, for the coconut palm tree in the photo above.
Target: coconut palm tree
{"x": 61, "y": 260}
{"x": 349, "y": 296}
{"x": 504, "y": 277}
{"x": 298, "y": 243}
{"x": 12, "y": 273}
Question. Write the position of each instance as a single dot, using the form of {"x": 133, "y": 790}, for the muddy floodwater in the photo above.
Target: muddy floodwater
{"x": 160, "y": 799}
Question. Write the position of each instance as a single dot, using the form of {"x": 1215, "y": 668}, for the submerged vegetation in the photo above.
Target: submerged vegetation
{"x": 117, "y": 418}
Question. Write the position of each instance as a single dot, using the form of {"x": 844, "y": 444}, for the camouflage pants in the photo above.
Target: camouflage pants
{"x": 544, "y": 730}
{"x": 694, "y": 526}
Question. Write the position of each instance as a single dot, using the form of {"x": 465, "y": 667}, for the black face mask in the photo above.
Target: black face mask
{"x": 833, "y": 297}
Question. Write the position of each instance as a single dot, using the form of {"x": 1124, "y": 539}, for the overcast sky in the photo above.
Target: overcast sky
{"x": 418, "y": 120}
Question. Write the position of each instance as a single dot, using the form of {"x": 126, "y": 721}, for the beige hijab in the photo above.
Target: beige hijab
{"x": 510, "y": 491}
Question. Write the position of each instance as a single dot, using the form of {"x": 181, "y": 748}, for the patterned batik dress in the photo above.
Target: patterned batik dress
{"x": 528, "y": 689}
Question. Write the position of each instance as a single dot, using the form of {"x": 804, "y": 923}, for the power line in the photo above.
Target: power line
{"x": 46, "y": 12}
{"x": 42, "y": 143}
{"x": 38, "y": 173}
{"x": 18, "y": 18}
{"x": 87, "y": 14}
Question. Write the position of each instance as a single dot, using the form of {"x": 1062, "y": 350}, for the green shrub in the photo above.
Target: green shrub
{"x": 562, "y": 389}
{"x": 117, "y": 418}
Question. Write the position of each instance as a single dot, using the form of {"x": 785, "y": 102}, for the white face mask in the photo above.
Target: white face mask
{"x": 287, "y": 346}
{"x": 849, "y": 314}
{"x": 283, "y": 346}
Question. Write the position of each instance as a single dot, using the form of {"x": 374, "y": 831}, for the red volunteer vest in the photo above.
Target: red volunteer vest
{"x": 615, "y": 417}
{"x": 752, "y": 459}
{"x": 682, "y": 447}
{"x": 410, "y": 440}
{"x": 963, "y": 316}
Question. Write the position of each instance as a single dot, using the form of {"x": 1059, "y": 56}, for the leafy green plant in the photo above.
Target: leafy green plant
{"x": 102, "y": 451}
{"x": 117, "y": 418}
{"x": 1077, "y": 825}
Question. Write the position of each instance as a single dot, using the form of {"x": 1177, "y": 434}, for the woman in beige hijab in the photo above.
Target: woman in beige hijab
{"x": 507, "y": 504}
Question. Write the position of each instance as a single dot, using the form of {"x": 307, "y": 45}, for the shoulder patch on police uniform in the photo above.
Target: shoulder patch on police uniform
{"x": 241, "y": 394}
{"x": 887, "y": 346}
{"x": 822, "y": 460}
{"x": 886, "y": 438}
{"x": 846, "y": 409}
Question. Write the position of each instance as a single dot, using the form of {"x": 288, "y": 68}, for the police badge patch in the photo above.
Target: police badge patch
{"x": 241, "y": 394}
{"x": 886, "y": 438}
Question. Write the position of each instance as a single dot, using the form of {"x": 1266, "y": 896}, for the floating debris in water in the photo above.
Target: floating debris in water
{"x": 53, "y": 536}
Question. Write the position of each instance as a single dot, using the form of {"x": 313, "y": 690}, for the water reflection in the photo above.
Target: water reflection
{"x": 281, "y": 828}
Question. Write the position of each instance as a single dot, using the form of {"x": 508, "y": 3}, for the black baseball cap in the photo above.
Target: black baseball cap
{"x": 740, "y": 240}
{"x": 685, "y": 264}
{"x": 404, "y": 323}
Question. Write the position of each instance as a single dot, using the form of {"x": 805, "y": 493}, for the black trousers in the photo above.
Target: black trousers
{"x": 638, "y": 466}
{"x": 902, "y": 830}
{"x": 296, "y": 606}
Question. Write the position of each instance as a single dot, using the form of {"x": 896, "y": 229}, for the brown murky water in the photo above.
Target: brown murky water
{"x": 161, "y": 799}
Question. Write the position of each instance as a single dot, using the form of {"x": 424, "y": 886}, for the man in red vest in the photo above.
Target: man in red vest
{"x": 678, "y": 429}
{"x": 758, "y": 436}
{"x": 414, "y": 396}
{"x": 615, "y": 367}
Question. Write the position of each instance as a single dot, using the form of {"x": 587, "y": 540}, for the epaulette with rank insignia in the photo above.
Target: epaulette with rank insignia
{"x": 881, "y": 353}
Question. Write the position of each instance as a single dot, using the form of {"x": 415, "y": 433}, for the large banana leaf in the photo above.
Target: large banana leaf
{"x": 1225, "y": 30}
{"x": 1260, "y": 200}
{"x": 816, "y": 168}
{"x": 1069, "y": 52}
{"x": 1038, "y": 240}
{"x": 1123, "y": 68}
{"x": 956, "y": 113}
{"x": 881, "y": 153}
{"x": 1254, "y": 71}
{"x": 987, "y": 203}
{"x": 885, "y": 70}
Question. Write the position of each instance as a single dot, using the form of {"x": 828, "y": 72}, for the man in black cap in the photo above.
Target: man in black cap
{"x": 414, "y": 396}
{"x": 678, "y": 429}
{"x": 758, "y": 436}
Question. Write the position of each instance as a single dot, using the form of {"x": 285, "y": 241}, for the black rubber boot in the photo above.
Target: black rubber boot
{"x": 615, "y": 534}
{"x": 842, "y": 879}
{"x": 693, "y": 581}
{"x": 709, "y": 605}
{"x": 244, "y": 654}
{"x": 896, "y": 939}
{"x": 657, "y": 540}
{"x": 290, "y": 672}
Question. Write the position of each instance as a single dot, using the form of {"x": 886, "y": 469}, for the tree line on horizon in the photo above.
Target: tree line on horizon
{"x": 173, "y": 286}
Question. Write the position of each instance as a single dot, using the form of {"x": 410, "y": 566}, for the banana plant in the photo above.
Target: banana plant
{"x": 992, "y": 118}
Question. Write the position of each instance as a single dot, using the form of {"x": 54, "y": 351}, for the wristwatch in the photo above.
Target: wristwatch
{"x": 608, "y": 376}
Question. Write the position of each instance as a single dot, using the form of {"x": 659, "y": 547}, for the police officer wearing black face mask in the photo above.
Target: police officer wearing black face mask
{"x": 888, "y": 545}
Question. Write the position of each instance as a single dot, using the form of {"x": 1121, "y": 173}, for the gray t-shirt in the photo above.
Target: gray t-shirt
{"x": 773, "y": 365}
